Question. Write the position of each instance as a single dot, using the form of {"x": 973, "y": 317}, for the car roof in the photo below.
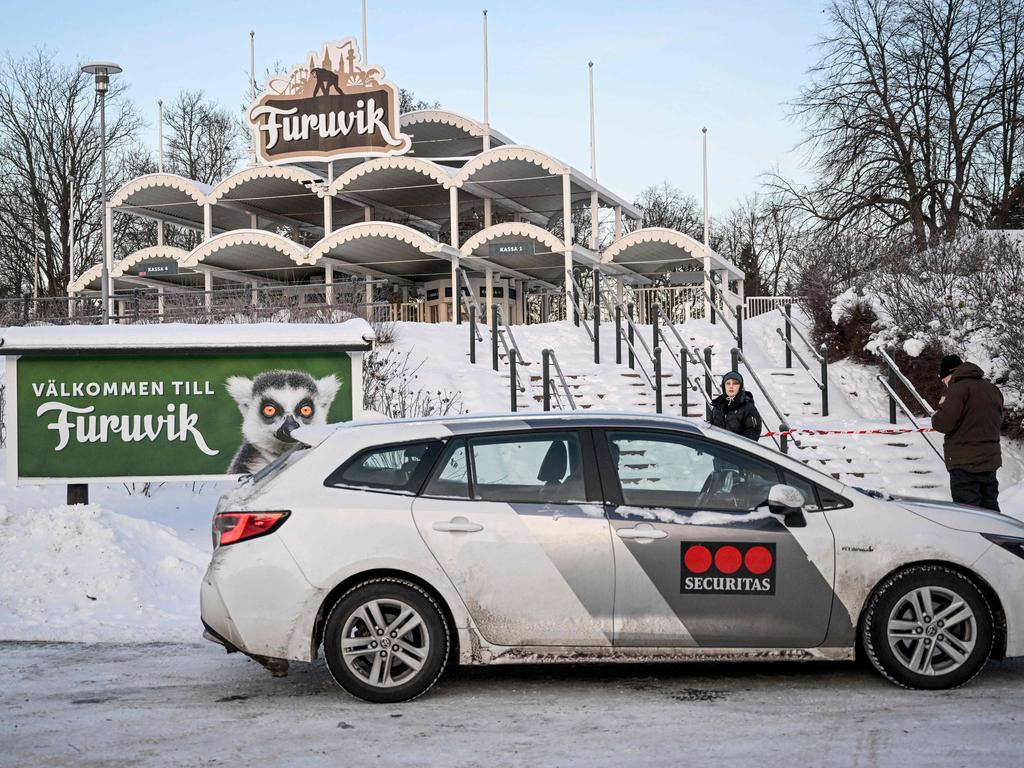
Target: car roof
{"x": 506, "y": 422}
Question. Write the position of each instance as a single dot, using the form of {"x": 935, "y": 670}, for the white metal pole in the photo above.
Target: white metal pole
{"x": 704, "y": 131}
{"x": 160, "y": 124}
{"x": 366, "y": 56}
{"x": 593, "y": 135}
{"x": 453, "y": 216}
{"x": 487, "y": 106}
{"x": 252, "y": 92}
{"x": 593, "y": 162}
{"x": 105, "y": 269}
{"x": 35, "y": 257}
{"x": 707, "y": 258}
{"x": 71, "y": 237}
{"x": 567, "y": 239}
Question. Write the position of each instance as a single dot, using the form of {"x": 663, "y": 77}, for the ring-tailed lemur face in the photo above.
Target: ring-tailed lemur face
{"x": 277, "y": 402}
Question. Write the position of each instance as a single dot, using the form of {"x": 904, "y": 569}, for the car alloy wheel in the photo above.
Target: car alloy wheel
{"x": 386, "y": 640}
{"x": 928, "y": 626}
{"x": 932, "y": 631}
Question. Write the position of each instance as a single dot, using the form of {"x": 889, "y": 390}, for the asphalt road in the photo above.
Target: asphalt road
{"x": 170, "y": 705}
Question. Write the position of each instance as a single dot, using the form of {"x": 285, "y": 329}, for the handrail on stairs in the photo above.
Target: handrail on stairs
{"x": 783, "y": 424}
{"x": 895, "y": 370}
{"x": 820, "y": 356}
{"x": 580, "y": 303}
{"x": 548, "y": 358}
{"x": 505, "y": 328}
{"x": 906, "y": 411}
{"x": 634, "y": 328}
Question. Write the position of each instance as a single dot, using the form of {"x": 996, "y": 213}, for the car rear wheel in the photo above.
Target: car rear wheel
{"x": 386, "y": 640}
{"x": 928, "y": 627}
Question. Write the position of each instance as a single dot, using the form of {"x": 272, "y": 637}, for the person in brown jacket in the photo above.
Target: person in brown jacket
{"x": 970, "y": 415}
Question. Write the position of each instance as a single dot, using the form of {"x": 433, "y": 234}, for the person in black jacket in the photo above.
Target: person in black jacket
{"x": 734, "y": 409}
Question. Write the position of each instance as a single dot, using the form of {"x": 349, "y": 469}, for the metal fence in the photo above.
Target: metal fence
{"x": 759, "y": 305}
{"x": 242, "y": 304}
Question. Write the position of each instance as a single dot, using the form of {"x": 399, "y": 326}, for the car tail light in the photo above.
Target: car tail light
{"x": 232, "y": 527}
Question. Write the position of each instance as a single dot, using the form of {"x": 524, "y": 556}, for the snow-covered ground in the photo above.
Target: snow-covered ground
{"x": 127, "y": 567}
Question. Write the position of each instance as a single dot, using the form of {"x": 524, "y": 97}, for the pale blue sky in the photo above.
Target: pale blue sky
{"x": 662, "y": 69}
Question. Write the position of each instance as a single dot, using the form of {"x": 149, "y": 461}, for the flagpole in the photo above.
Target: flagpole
{"x": 487, "y": 106}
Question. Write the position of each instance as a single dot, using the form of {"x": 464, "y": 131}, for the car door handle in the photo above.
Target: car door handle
{"x": 458, "y": 525}
{"x": 642, "y": 531}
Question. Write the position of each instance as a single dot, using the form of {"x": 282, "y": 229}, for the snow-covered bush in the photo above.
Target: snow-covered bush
{"x": 964, "y": 297}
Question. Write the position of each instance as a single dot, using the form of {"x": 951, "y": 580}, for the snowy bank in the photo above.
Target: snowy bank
{"x": 85, "y": 573}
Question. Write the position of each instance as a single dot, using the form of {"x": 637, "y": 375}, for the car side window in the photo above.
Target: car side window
{"x": 451, "y": 478}
{"x": 830, "y": 500}
{"x": 393, "y": 468}
{"x": 663, "y": 470}
{"x": 536, "y": 469}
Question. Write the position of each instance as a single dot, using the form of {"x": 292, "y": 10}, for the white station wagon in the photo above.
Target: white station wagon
{"x": 401, "y": 547}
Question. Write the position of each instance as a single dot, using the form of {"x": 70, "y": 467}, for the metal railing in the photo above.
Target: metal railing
{"x": 820, "y": 355}
{"x": 738, "y": 357}
{"x": 894, "y": 373}
{"x": 580, "y": 304}
{"x": 895, "y": 398}
{"x": 506, "y": 330}
{"x": 692, "y": 354}
{"x": 313, "y": 303}
{"x": 548, "y": 359}
{"x": 630, "y": 334}
{"x": 760, "y": 305}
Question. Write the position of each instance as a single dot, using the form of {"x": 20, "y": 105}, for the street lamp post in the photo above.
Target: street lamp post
{"x": 101, "y": 71}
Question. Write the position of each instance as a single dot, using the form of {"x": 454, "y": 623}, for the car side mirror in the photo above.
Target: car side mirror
{"x": 787, "y": 502}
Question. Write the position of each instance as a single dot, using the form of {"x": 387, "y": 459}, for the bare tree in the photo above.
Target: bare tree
{"x": 665, "y": 205}
{"x": 50, "y": 164}
{"x": 206, "y": 142}
{"x": 910, "y": 107}
{"x": 408, "y": 102}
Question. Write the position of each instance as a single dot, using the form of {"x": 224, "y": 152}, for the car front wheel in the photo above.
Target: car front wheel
{"x": 928, "y": 627}
{"x": 386, "y": 641}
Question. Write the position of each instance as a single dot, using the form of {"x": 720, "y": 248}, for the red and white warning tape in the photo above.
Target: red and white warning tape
{"x": 884, "y": 431}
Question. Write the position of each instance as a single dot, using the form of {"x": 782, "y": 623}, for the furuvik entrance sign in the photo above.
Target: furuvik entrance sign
{"x": 172, "y": 402}
{"x": 331, "y": 107}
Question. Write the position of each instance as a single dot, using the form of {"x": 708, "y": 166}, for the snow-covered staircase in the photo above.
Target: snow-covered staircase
{"x": 902, "y": 462}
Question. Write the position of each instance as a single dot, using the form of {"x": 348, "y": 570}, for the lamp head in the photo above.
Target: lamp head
{"x": 101, "y": 71}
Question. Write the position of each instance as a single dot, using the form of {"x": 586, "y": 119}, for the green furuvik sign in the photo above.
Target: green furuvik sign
{"x": 178, "y": 415}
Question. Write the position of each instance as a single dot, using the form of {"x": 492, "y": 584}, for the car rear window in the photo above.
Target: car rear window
{"x": 391, "y": 468}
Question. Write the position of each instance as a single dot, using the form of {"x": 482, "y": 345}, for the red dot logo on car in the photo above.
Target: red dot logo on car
{"x": 728, "y": 559}
{"x": 697, "y": 559}
{"x": 758, "y": 560}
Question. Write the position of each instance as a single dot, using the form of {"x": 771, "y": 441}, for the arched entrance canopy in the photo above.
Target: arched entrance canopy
{"x": 526, "y": 180}
{"x": 410, "y": 184}
{"x": 255, "y": 254}
{"x": 289, "y": 192}
{"x": 546, "y": 263}
{"x": 173, "y": 199}
{"x": 384, "y": 249}
{"x": 447, "y": 137}
{"x": 655, "y": 251}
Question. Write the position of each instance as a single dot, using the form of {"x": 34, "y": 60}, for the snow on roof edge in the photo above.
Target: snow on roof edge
{"x": 354, "y": 333}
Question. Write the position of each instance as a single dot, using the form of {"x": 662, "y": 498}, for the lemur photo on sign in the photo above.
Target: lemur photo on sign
{"x": 169, "y": 416}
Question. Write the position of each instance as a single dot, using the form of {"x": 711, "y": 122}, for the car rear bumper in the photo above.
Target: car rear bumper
{"x": 255, "y": 599}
